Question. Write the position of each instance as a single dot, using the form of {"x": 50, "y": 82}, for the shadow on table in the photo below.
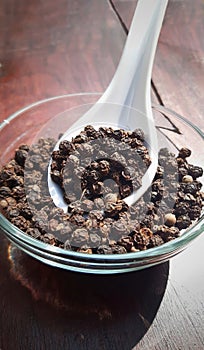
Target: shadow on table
{"x": 43, "y": 307}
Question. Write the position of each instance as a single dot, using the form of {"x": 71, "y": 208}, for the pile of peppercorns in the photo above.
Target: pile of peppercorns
{"x": 96, "y": 170}
{"x": 89, "y": 162}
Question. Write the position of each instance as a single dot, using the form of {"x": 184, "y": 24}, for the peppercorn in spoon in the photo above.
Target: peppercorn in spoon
{"x": 126, "y": 103}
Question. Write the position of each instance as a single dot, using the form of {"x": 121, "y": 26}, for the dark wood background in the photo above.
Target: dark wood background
{"x": 50, "y": 48}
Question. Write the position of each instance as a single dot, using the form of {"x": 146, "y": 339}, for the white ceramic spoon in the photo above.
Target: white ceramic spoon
{"x": 130, "y": 86}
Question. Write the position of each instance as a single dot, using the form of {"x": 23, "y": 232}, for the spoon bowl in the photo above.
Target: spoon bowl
{"x": 110, "y": 109}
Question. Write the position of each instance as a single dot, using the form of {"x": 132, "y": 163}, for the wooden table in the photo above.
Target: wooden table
{"x": 50, "y": 48}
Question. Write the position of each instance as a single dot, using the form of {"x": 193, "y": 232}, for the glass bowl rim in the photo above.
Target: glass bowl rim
{"x": 173, "y": 245}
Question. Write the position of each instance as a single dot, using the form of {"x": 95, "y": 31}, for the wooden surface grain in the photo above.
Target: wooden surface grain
{"x": 178, "y": 71}
{"x": 50, "y": 48}
{"x": 46, "y": 308}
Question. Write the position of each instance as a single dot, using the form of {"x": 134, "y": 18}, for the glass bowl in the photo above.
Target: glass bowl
{"x": 39, "y": 119}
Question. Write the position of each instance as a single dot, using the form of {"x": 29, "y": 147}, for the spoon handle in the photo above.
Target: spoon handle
{"x": 132, "y": 80}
